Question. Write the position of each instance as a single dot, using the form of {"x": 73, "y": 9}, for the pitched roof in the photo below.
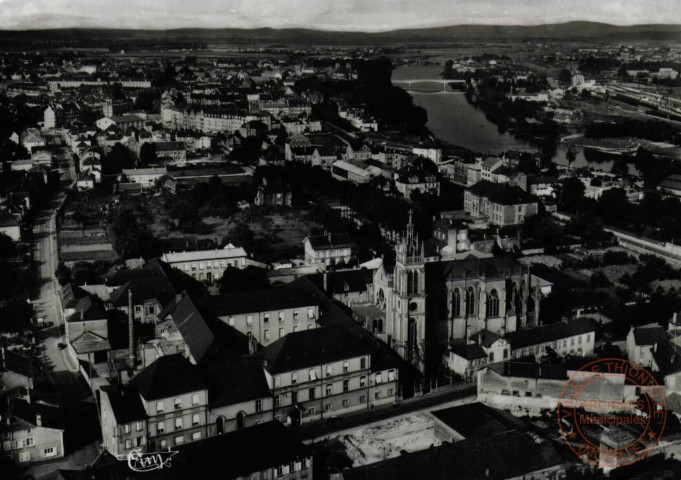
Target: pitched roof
{"x": 234, "y": 379}
{"x": 168, "y": 376}
{"x": 649, "y": 335}
{"x": 126, "y": 407}
{"x": 15, "y": 362}
{"x": 308, "y": 348}
{"x": 276, "y": 298}
{"x": 496, "y": 267}
{"x": 336, "y": 282}
{"x": 468, "y": 351}
{"x": 550, "y": 333}
{"x": 502, "y": 456}
{"x": 205, "y": 335}
{"x": 50, "y": 415}
{"x": 501, "y": 193}
{"x": 275, "y": 444}
{"x": 326, "y": 242}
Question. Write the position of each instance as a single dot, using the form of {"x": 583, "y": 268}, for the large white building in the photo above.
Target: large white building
{"x": 207, "y": 264}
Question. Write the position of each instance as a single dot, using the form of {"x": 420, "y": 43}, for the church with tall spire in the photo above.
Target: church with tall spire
{"x": 430, "y": 304}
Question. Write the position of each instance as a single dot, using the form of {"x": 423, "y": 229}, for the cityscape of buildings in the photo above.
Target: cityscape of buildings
{"x": 338, "y": 261}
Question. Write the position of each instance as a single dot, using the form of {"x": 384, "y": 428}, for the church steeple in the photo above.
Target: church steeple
{"x": 409, "y": 249}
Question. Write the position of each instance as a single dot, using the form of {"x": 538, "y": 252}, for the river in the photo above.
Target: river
{"x": 453, "y": 119}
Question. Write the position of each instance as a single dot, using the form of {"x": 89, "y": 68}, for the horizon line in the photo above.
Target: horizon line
{"x": 334, "y": 30}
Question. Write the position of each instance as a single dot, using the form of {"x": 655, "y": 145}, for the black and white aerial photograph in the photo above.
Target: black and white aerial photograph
{"x": 340, "y": 240}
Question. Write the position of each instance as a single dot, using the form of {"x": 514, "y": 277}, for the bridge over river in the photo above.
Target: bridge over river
{"x": 454, "y": 84}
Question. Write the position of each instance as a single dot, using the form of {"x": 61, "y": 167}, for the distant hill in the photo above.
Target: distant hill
{"x": 559, "y": 31}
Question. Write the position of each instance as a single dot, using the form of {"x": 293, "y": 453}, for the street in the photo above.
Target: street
{"x": 81, "y": 434}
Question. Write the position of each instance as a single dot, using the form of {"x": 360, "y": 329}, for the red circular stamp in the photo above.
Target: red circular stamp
{"x": 612, "y": 412}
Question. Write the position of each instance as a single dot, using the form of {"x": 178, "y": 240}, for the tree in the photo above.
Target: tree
{"x": 236, "y": 280}
{"x": 572, "y": 194}
{"x": 148, "y": 153}
{"x": 570, "y": 156}
{"x": 119, "y": 158}
{"x": 63, "y": 274}
{"x": 565, "y": 76}
{"x": 599, "y": 280}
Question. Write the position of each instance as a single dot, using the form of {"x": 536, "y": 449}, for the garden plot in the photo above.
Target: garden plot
{"x": 379, "y": 442}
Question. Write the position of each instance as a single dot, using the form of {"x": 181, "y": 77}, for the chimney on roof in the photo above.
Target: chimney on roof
{"x": 4, "y": 362}
{"x": 326, "y": 281}
{"x": 38, "y": 420}
{"x": 131, "y": 331}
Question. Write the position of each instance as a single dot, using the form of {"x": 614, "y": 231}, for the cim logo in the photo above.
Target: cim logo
{"x": 147, "y": 462}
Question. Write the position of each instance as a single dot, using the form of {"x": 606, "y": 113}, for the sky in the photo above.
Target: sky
{"x": 343, "y": 15}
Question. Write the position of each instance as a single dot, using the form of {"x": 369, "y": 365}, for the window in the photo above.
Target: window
{"x": 363, "y": 362}
{"x": 312, "y": 394}
{"x": 7, "y": 445}
{"x": 312, "y": 410}
{"x": 378, "y": 378}
{"x": 160, "y": 427}
{"x": 266, "y": 318}
{"x": 362, "y": 399}
{"x": 281, "y": 316}
{"x": 329, "y": 389}
{"x": 328, "y": 406}
{"x": 295, "y": 314}
{"x": 329, "y": 370}
{"x": 310, "y": 313}
{"x": 304, "y": 463}
{"x": 277, "y": 401}
{"x": 196, "y": 419}
{"x": 195, "y": 399}
{"x": 26, "y": 456}
{"x": 18, "y": 444}
{"x": 294, "y": 377}
{"x": 377, "y": 395}
{"x": 138, "y": 308}
{"x": 346, "y": 367}
{"x": 30, "y": 441}
{"x": 572, "y": 341}
{"x": 281, "y": 332}
{"x": 267, "y": 334}
{"x": 49, "y": 452}
{"x": 152, "y": 310}
{"x": 391, "y": 392}
{"x": 363, "y": 381}
{"x": 346, "y": 403}
{"x": 277, "y": 381}
{"x": 178, "y": 423}
{"x": 456, "y": 302}
{"x": 579, "y": 340}
{"x": 196, "y": 436}
{"x": 249, "y": 320}
{"x": 313, "y": 375}
{"x": 164, "y": 444}
{"x": 159, "y": 407}
{"x": 138, "y": 426}
{"x": 127, "y": 428}
{"x": 178, "y": 403}
{"x": 493, "y": 303}
{"x": 128, "y": 444}
{"x": 295, "y": 328}
{"x": 179, "y": 440}
{"x": 258, "y": 405}
{"x": 391, "y": 375}
{"x": 294, "y": 397}
{"x": 346, "y": 385}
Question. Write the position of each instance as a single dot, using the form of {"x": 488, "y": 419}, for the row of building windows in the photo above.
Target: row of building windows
{"x": 292, "y": 467}
{"x": 179, "y": 440}
{"x": 196, "y": 400}
{"x": 161, "y": 426}
{"x": 312, "y": 373}
{"x": 45, "y": 453}
{"x": 210, "y": 264}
